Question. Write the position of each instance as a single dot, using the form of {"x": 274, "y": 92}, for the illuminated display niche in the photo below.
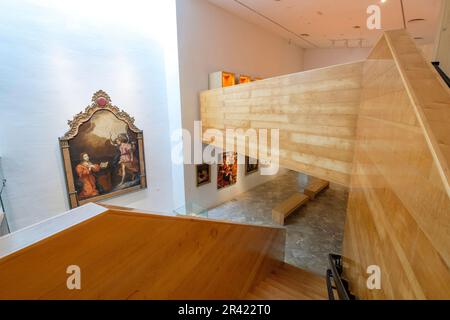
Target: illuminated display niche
{"x": 222, "y": 79}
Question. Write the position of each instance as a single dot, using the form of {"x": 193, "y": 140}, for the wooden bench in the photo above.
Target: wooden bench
{"x": 315, "y": 187}
{"x": 284, "y": 209}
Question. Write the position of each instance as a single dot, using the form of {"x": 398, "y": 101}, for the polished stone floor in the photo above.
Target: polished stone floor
{"x": 313, "y": 231}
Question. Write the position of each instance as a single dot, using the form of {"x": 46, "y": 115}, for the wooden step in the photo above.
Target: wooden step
{"x": 287, "y": 207}
{"x": 295, "y": 271}
{"x": 308, "y": 291}
{"x": 272, "y": 292}
{"x": 290, "y": 283}
{"x": 251, "y": 296}
{"x": 289, "y": 289}
{"x": 300, "y": 275}
{"x": 315, "y": 187}
{"x": 313, "y": 290}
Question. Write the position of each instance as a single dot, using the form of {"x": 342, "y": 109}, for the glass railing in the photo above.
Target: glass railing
{"x": 192, "y": 209}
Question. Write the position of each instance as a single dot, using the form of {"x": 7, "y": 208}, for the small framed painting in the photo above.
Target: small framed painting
{"x": 203, "y": 174}
{"x": 228, "y": 79}
{"x": 227, "y": 170}
{"x": 103, "y": 153}
{"x": 251, "y": 165}
{"x": 244, "y": 79}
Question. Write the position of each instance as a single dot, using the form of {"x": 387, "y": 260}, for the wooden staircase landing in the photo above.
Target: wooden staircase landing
{"x": 290, "y": 283}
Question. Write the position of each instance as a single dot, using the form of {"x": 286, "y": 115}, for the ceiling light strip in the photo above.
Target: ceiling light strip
{"x": 276, "y": 23}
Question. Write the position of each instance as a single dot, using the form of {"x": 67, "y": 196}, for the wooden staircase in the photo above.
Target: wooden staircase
{"x": 380, "y": 127}
{"x": 290, "y": 283}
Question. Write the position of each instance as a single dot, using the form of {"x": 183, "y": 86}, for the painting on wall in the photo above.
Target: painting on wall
{"x": 228, "y": 79}
{"x": 103, "y": 153}
{"x": 227, "y": 170}
{"x": 203, "y": 174}
{"x": 251, "y": 165}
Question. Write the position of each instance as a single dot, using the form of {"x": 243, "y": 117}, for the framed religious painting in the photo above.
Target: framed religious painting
{"x": 227, "y": 170}
{"x": 203, "y": 174}
{"x": 103, "y": 153}
{"x": 251, "y": 165}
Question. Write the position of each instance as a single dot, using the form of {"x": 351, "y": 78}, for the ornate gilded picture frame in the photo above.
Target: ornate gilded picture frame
{"x": 103, "y": 153}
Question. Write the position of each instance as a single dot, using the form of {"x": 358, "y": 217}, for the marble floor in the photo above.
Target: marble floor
{"x": 313, "y": 232}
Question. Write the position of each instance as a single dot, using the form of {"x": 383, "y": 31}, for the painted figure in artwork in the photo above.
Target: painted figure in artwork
{"x": 127, "y": 161}
{"x": 85, "y": 171}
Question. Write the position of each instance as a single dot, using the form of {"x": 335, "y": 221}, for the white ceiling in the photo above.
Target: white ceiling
{"x": 328, "y": 20}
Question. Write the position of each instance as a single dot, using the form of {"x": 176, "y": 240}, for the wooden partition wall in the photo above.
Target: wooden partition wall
{"x": 128, "y": 255}
{"x": 399, "y": 209}
{"x": 315, "y": 112}
{"x": 396, "y": 110}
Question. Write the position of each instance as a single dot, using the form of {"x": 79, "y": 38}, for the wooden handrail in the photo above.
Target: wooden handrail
{"x": 399, "y": 201}
{"x": 429, "y": 95}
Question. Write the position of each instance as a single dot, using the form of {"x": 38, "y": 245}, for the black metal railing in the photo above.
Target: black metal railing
{"x": 340, "y": 284}
{"x": 442, "y": 73}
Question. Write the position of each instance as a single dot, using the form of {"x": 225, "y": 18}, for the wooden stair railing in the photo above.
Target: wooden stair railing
{"x": 399, "y": 203}
{"x": 131, "y": 255}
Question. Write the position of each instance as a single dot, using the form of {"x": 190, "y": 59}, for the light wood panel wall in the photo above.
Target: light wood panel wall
{"x": 430, "y": 97}
{"x": 140, "y": 256}
{"x": 399, "y": 209}
{"x": 315, "y": 112}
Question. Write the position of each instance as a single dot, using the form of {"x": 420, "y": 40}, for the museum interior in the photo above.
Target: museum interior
{"x": 118, "y": 182}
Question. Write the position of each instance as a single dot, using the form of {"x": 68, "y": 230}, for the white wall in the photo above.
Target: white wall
{"x": 320, "y": 58}
{"x": 211, "y": 39}
{"x": 54, "y": 55}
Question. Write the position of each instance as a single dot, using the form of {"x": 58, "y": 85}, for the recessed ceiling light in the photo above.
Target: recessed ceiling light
{"x": 416, "y": 20}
